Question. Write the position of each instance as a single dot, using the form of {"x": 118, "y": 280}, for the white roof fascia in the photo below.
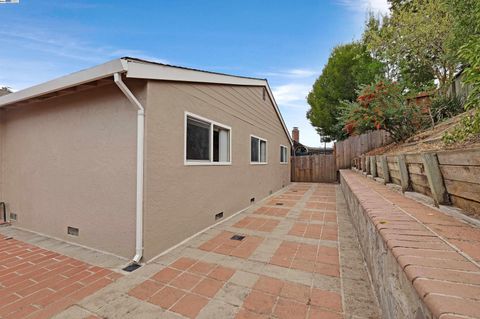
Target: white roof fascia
{"x": 67, "y": 81}
{"x": 152, "y": 71}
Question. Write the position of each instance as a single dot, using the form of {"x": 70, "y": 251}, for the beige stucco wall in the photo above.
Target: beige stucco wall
{"x": 182, "y": 200}
{"x": 70, "y": 161}
{"x": 2, "y": 161}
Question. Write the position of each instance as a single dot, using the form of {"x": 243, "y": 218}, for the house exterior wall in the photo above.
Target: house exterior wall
{"x": 2, "y": 160}
{"x": 70, "y": 161}
{"x": 181, "y": 200}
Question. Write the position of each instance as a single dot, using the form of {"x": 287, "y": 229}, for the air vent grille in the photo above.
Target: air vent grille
{"x": 72, "y": 231}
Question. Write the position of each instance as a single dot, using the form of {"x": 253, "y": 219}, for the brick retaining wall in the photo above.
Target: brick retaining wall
{"x": 416, "y": 272}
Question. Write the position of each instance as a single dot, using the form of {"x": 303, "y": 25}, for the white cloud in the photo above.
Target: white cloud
{"x": 51, "y": 54}
{"x": 291, "y": 94}
{"x": 292, "y": 73}
{"x": 363, "y": 6}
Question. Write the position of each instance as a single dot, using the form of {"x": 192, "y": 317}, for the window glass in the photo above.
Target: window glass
{"x": 221, "y": 144}
{"x": 283, "y": 154}
{"x": 198, "y": 140}
{"x": 258, "y": 150}
{"x": 254, "y": 153}
{"x": 263, "y": 151}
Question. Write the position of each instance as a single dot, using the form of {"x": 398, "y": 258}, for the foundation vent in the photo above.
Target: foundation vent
{"x": 219, "y": 216}
{"x": 13, "y": 216}
{"x": 72, "y": 231}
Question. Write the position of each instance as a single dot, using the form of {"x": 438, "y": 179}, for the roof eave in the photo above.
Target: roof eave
{"x": 139, "y": 69}
{"x": 135, "y": 68}
{"x": 88, "y": 75}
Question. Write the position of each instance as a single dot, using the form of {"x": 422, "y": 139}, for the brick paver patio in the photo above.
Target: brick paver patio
{"x": 37, "y": 283}
{"x": 287, "y": 265}
{"x": 297, "y": 257}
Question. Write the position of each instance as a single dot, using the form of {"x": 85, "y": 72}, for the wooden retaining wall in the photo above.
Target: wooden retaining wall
{"x": 461, "y": 174}
{"x": 314, "y": 168}
{"x": 449, "y": 177}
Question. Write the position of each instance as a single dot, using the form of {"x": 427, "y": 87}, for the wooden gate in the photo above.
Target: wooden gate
{"x": 314, "y": 168}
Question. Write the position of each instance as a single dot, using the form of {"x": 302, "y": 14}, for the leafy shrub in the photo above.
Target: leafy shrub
{"x": 468, "y": 127}
{"x": 381, "y": 105}
{"x": 443, "y": 107}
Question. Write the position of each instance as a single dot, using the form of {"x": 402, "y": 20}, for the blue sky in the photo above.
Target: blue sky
{"x": 286, "y": 41}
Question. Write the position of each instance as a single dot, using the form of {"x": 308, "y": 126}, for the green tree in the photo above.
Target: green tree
{"x": 349, "y": 66}
{"x": 415, "y": 41}
{"x": 466, "y": 22}
{"x": 466, "y": 14}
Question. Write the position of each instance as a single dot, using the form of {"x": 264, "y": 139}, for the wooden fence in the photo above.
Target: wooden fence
{"x": 354, "y": 146}
{"x": 447, "y": 176}
{"x": 314, "y": 168}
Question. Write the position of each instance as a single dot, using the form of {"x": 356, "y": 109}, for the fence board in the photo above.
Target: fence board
{"x": 461, "y": 173}
{"x": 416, "y": 169}
{"x": 354, "y": 146}
{"x": 314, "y": 168}
{"x": 395, "y": 173}
{"x": 470, "y": 206}
{"x": 465, "y": 157}
{"x": 396, "y": 180}
{"x": 466, "y": 190}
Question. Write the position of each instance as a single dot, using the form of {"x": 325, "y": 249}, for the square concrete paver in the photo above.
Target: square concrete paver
{"x": 306, "y": 257}
{"x": 226, "y": 245}
{"x": 274, "y": 298}
{"x": 315, "y": 231}
{"x": 38, "y": 283}
{"x": 184, "y": 287}
{"x": 254, "y": 223}
{"x": 292, "y": 263}
{"x": 272, "y": 211}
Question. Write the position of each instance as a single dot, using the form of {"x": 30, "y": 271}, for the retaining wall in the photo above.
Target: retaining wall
{"x": 397, "y": 297}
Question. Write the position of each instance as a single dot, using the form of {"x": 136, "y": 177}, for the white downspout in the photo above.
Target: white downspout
{"x": 117, "y": 77}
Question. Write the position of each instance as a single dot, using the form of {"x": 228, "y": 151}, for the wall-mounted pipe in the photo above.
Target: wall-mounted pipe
{"x": 4, "y": 211}
{"x": 117, "y": 77}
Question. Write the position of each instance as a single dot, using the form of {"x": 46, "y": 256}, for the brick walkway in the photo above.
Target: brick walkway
{"x": 38, "y": 283}
{"x": 299, "y": 258}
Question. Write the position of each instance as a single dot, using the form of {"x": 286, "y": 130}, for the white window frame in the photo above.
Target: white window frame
{"x": 286, "y": 154}
{"x": 250, "y": 150}
{"x": 209, "y": 162}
